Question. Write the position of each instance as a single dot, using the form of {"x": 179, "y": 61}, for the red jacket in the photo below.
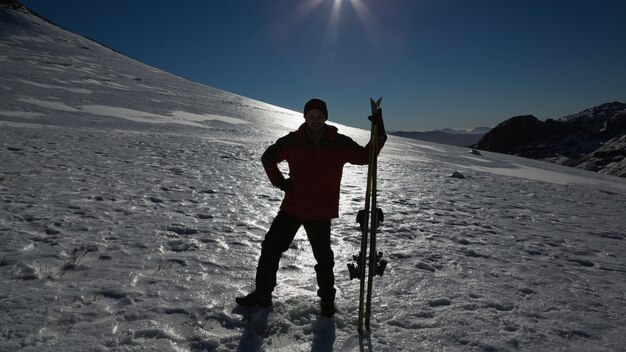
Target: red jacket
{"x": 315, "y": 170}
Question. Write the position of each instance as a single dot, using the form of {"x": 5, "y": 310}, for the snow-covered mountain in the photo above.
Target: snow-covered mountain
{"x": 133, "y": 204}
{"x": 446, "y": 136}
{"x": 475, "y": 130}
{"x": 594, "y": 139}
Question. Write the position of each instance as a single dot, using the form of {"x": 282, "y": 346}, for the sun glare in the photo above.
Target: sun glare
{"x": 332, "y": 29}
{"x": 372, "y": 27}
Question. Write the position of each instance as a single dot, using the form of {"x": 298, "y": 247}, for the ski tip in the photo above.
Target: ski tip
{"x": 376, "y": 103}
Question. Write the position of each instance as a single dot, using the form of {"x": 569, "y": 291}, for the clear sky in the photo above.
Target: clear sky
{"x": 436, "y": 63}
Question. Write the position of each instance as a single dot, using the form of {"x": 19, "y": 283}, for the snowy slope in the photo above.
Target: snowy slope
{"x": 133, "y": 204}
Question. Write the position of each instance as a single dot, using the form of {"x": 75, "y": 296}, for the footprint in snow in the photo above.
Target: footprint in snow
{"x": 181, "y": 246}
{"x": 582, "y": 262}
{"x": 440, "y": 302}
{"x": 181, "y": 229}
{"x": 425, "y": 266}
{"x": 501, "y": 306}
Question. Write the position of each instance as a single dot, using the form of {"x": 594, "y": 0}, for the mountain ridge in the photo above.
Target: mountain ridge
{"x": 441, "y": 136}
{"x": 593, "y": 139}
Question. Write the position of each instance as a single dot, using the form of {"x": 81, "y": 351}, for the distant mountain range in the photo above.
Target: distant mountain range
{"x": 461, "y": 138}
{"x": 594, "y": 139}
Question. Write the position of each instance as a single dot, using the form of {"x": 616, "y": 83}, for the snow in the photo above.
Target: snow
{"x": 131, "y": 216}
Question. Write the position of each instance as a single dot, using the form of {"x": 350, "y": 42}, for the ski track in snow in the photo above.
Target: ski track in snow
{"x": 133, "y": 205}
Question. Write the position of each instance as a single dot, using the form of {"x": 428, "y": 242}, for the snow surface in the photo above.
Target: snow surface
{"x": 133, "y": 205}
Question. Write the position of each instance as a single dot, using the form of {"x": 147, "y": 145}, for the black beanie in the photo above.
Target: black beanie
{"x": 316, "y": 104}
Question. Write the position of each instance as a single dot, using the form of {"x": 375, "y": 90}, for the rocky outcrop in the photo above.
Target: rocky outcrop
{"x": 594, "y": 139}
{"x": 511, "y": 134}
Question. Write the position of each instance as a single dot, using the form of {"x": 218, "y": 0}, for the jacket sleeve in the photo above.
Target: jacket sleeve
{"x": 270, "y": 160}
{"x": 358, "y": 155}
{"x": 381, "y": 143}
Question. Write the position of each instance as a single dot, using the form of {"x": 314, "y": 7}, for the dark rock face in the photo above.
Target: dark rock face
{"x": 594, "y": 139}
{"x": 511, "y": 134}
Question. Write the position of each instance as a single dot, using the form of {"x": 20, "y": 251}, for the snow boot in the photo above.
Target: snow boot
{"x": 255, "y": 299}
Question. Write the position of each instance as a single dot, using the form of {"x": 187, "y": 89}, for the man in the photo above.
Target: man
{"x": 316, "y": 154}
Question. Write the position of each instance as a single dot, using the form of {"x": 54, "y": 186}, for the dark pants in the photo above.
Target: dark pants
{"x": 277, "y": 241}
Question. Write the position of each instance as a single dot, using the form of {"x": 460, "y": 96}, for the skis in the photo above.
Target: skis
{"x": 371, "y": 263}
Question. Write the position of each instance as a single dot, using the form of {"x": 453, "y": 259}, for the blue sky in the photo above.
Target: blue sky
{"x": 436, "y": 63}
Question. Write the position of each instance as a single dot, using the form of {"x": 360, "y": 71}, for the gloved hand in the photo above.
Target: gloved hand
{"x": 285, "y": 185}
{"x": 377, "y": 119}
